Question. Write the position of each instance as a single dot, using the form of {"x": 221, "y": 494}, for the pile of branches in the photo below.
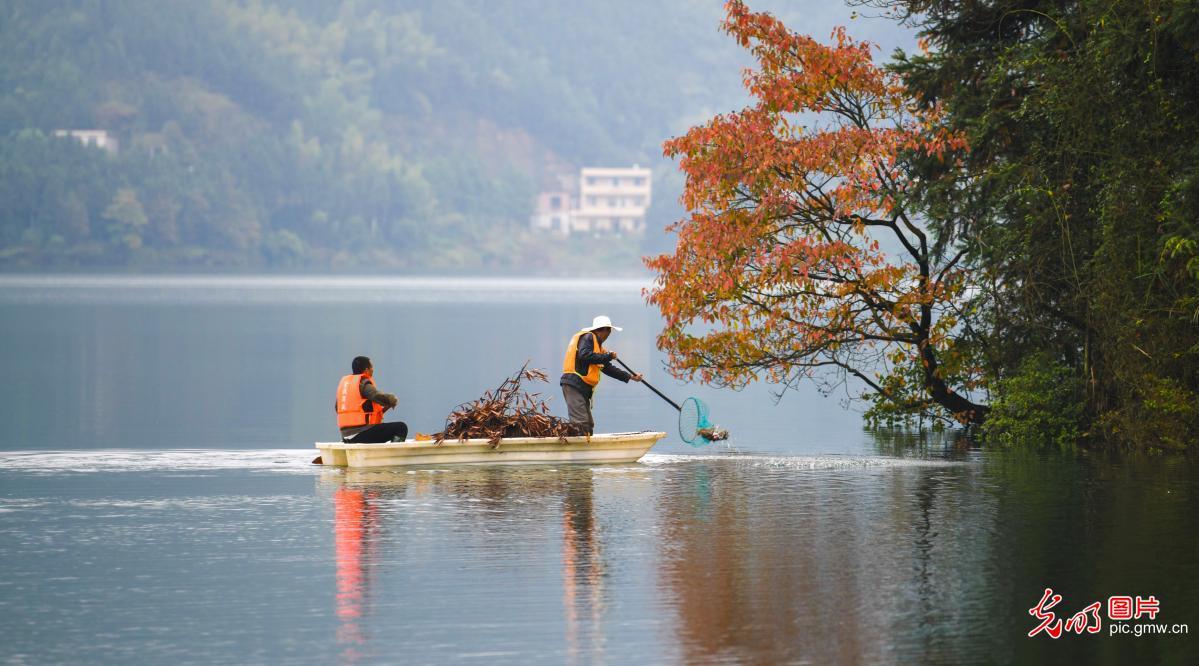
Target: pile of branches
{"x": 507, "y": 412}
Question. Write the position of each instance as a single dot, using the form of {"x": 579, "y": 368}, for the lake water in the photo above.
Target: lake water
{"x": 157, "y": 504}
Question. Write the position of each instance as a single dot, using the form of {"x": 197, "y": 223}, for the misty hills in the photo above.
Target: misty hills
{"x": 356, "y": 135}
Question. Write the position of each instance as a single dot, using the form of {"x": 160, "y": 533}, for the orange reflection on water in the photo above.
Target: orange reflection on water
{"x": 353, "y": 522}
{"x": 362, "y": 518}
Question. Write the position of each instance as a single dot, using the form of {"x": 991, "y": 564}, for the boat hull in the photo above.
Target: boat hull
{"x": 624, "y": 447}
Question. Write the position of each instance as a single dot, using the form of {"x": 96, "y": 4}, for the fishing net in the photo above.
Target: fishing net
{"x": 694, "y": 427}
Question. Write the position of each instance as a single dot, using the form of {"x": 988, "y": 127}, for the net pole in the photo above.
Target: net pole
{"x": 650, "y": 387}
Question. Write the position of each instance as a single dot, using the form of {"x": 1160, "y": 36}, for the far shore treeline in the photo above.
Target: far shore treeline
{"x": 349, "y": 136}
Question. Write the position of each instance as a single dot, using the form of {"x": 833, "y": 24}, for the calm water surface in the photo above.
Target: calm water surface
{"x": 157, "y": 505}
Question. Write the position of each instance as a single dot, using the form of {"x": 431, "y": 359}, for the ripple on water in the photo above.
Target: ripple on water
{"x": 295, "y": 461}
{"x": 298, "y": 461}
{"x": 799, "y": 462}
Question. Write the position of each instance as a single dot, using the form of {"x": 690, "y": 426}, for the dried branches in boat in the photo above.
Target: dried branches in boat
{"x": 507, "y": 411}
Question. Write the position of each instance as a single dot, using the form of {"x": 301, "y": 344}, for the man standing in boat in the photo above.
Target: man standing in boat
{"x": 360, "y": 408}
{"x": 585, "y": 359}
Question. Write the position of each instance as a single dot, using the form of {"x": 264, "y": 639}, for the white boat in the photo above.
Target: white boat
{"x": 620, "y": 447}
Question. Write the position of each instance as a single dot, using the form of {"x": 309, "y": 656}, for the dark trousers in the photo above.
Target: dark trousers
{"x": 380, "y": 433}
{"x": 578, "y": 407}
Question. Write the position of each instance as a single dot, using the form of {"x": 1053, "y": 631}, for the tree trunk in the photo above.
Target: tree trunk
{"x": 964, "y": 409}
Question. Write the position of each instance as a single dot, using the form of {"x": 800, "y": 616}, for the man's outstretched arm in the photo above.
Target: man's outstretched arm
{"x": 369, "y": 392}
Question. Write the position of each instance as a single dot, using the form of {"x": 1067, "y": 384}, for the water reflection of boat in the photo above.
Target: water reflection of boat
{"x": 621, "y": 447}
{"x": 373, "y": 523}
{"x": 485, "y": 482}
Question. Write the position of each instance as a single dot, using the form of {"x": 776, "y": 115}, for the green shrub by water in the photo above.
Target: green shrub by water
{"x": 1040, "y": 404}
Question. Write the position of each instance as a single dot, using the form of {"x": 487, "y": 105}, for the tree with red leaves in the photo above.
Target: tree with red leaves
{"x": 806, "y": 252}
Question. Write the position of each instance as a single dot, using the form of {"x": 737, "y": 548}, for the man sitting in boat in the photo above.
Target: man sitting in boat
{"x": 360, "y": 408}
{"x": 585, "y": 359}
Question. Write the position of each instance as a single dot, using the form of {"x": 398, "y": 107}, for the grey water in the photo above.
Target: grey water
{"x": 157, "y": 501}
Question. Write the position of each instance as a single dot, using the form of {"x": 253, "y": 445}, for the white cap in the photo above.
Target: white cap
{"x": 602, "y": 321}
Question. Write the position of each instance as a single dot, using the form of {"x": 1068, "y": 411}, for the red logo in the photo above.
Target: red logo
{"x": 1147, "y": 607}
{"x": 1087, "y": 620}
{"x": 1119, "y": 608}
{"x": 1049, "y": 622}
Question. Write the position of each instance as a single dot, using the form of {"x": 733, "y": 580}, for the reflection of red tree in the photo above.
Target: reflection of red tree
{"x": 353, "y": 519}
{"x": 707, "y": 577}
{"x": 747, "y": 578}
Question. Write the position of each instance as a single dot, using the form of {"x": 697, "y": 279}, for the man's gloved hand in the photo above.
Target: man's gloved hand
{"x": 392, "y": 401}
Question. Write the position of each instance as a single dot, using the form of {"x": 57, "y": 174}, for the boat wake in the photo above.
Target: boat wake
{"x": 798, "y": 461}
{"x": 299, "y": 461}
{"x": 294, "y": 461}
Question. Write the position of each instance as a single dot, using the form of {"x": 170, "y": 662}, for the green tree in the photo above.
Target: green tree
{"x": 127, "y": 219}
{"x": 75, "y": 221}
{"x": 1082, "y": 120}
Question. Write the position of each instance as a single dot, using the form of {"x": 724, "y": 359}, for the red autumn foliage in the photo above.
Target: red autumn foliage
{"x": 805, "y": 249}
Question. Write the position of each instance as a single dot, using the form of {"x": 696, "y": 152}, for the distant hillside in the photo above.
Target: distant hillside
{"x": 310, "y": 134}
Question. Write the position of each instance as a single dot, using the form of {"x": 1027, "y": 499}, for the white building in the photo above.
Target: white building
{"x": 610, "y": 200}
{"x": 98, "y": 138}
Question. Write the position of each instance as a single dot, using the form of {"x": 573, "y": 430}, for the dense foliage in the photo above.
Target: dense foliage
{"x": 1078, "y": 198}
{"x": 1040, "y": 402}
{"x": 296, "y": 133}
{"x": 1043, "y": 157}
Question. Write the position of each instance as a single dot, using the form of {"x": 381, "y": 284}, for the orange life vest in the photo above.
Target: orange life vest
{"x": 352, "y": 409}
{"x": 569, "y": 364}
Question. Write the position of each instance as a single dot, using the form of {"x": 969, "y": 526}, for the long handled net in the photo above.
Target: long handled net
{"x": 694, "y": 426}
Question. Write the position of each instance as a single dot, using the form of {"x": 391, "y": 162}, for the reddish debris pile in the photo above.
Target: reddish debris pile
{"x": 713, "y": 434}
{"x": 507, "y": 412}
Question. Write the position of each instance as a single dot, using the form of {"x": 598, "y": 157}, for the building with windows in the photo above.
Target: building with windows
{"x": 98, "y": 138}
{"x": 609, "y": 201}
{"x": 612, "y": 200}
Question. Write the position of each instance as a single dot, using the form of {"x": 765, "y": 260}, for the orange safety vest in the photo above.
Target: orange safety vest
{"x": 352, "y": 409}
{"x": 569, "y": 364}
